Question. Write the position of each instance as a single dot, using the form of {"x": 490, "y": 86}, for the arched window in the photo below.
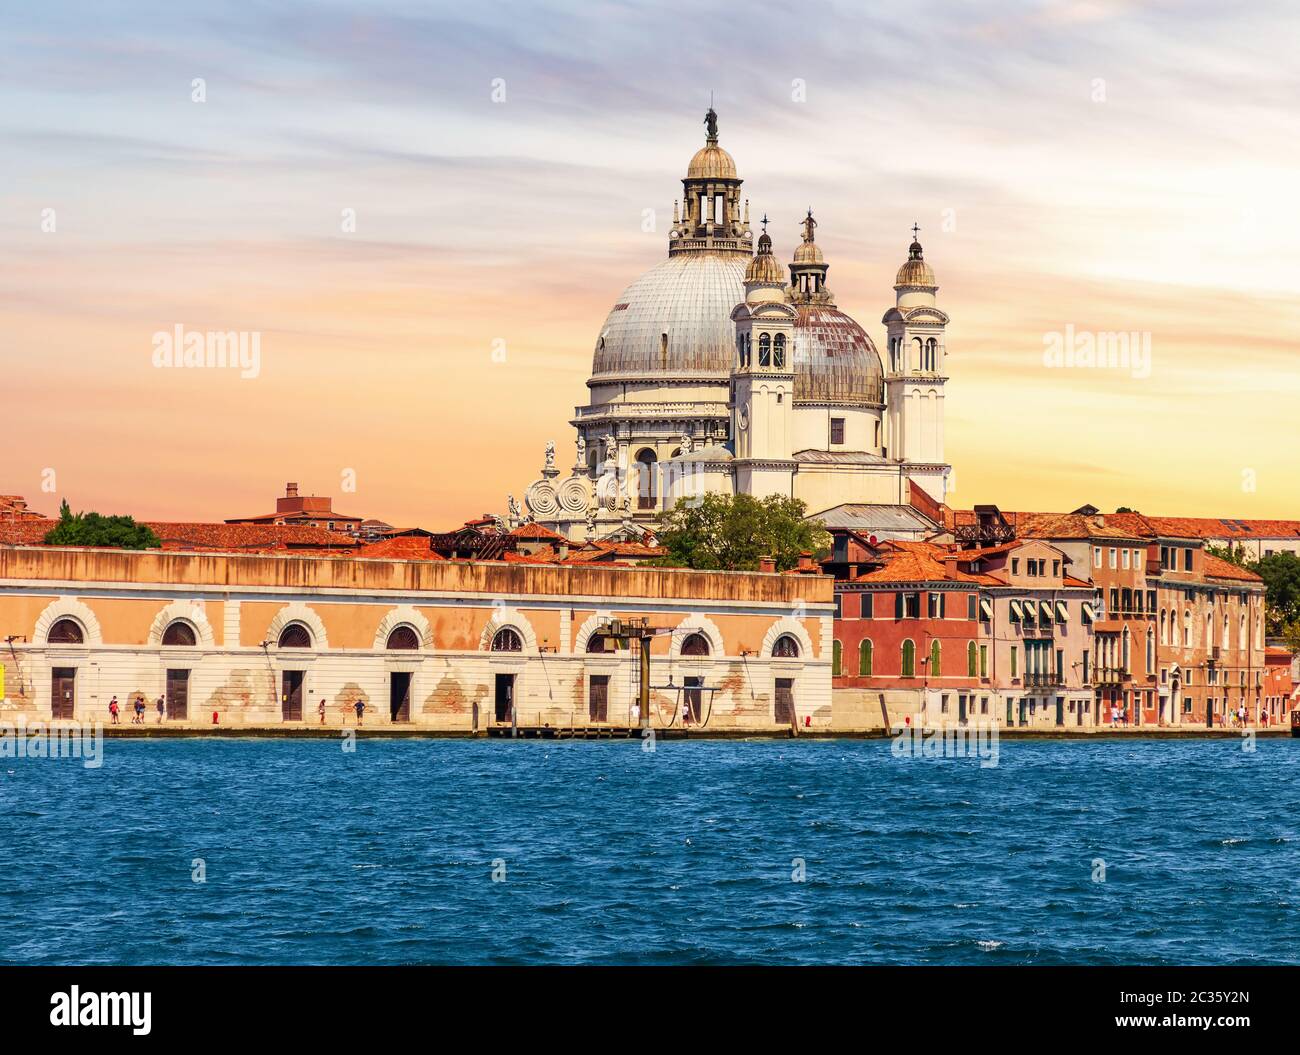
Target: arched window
{"x": 403, "y": 637}
{"x": 786, "y": 647}
{"x": 972, "y": 660}
{"x": 1128, "y": 644}
{"x": 749, "y": 348}
{"x": 917, "y": 353}
{"x": 295, "y": 635}
{"x": 1241, "y": 632}
{"x": 909, "y": 659}
{"x": 646, "y": 479}
{"x": 66, "y": 632}
{"x": 1151, "y": 652}
{"x": 866, "y": 660}
{"x": 936, "y": 657}
{"x": 1187, "y": 628}
{"x": 596, "y": 644}
{"x": 695, "y": 645}
{"x": 778, "y": 352}
{"x": 1164, "y": 627}
{"x": 507, "y": 640}
{"x": 837, "y": 659}
{"x": 764, "y": 349}
{"x": 894, "y": 343}
{"x": 931, "y": 354}
{"x": 179, "y": 634}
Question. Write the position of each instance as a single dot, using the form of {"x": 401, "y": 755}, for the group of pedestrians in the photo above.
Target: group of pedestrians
{"x": 138, "y": 708}
{"x": 359, "y": 707}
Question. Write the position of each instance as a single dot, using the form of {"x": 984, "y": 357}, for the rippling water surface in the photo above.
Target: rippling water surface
{"x": 684, "y": 855}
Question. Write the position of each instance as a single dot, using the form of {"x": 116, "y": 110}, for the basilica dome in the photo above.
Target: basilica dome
{"x": 675, "y": 319}
{"x": 834, "y": 360}
{"x": 711, "y": 162}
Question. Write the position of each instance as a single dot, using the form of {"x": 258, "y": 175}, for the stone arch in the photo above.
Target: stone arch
{"x": 787, "y": 625}
{"x": 583, "y": 636}
{"x": 403, "y": 615}
{"x": 503, "y": 617}
{"x": 190, "y": 612}
{"x": 297, "y": 612}
{"x": 698, "y": 624}
{"x": 68, "y": 608}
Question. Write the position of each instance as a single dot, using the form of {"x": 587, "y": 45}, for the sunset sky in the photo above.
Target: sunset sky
{"x": 1105, "y": 166}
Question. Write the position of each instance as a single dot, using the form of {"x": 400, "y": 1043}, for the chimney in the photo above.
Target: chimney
{"x": 290, "y": 490}
{"x": 767, "y": 564}
{"x": 805, "y": 561}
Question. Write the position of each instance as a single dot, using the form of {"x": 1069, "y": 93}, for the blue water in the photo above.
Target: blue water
{"x": 684, "y": 855}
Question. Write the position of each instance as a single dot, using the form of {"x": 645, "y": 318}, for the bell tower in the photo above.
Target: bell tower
{"x": 762, "y": 380}
{"x": 915, "y": 374}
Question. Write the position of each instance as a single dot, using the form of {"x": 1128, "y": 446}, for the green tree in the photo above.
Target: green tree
{"x": 1233, "y": 555}
{"x": 731, "y": 533}
{"x": 1281, "y": 575}
{"x": 94, "y": 529}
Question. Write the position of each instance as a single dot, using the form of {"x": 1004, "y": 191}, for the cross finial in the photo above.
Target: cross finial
{"x": 915, "y": 230}
{"x": 764, "y": 223}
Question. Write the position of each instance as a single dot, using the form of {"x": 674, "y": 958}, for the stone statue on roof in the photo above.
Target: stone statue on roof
{"x": 711, "y": 123}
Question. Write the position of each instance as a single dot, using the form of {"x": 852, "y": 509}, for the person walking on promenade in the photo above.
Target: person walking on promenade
{"x": 139, "y": 710}
{"x": 162, "y": 710}
{"x": 360, "y": 709}
{"x": 112, "y": 710}
{"x": 634, "y": 713}
{"x": 321, "y": 710}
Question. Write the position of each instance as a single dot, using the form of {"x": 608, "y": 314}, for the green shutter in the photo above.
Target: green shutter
{"x": 864, "y": 659}
{"x": 970, "y": 660}
{"x": 836, "y": 652}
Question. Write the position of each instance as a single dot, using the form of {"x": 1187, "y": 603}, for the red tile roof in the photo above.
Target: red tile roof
{"x": 402, "y": 547}
{"x": 1218, "y": 568}
{"x": 536, "y": 532}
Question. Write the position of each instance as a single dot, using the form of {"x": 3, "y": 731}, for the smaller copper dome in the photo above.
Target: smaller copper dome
{"x": 711, "y": 162}
{"x": 808, "y": 253}
{"x": 764, "y": 267}
{"x": 915, "y": 271}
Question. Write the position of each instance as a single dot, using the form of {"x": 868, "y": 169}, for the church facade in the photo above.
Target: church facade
{"x": 722, "y": 371}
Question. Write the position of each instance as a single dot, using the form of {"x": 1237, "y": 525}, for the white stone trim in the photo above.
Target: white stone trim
{"x": 190, "y": 612}
{"x": 502, "y": 617}
{"x": 403, "y": 615}
{"x": 795, "y": 629}
{"x": 697, "y": 623}
{"x": 297, "y": 612}
{"x": 68, "y": 608}
{"x": 583, "y": 636}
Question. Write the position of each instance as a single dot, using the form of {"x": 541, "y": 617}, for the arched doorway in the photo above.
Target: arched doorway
{"x": 63, "y": 680}
{"x": 402, "y": 639}
{"x": 295, "y": 635}
{"x": 695, "y": 646}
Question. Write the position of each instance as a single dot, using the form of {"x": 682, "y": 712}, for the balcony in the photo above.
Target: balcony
{"x": 1042, "y": 681}
{"x": 1110, "y": 676}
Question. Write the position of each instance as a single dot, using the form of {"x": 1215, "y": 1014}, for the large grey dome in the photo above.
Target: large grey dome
{"x": 834, "y": 359}
{"x": 675, "y": 319}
